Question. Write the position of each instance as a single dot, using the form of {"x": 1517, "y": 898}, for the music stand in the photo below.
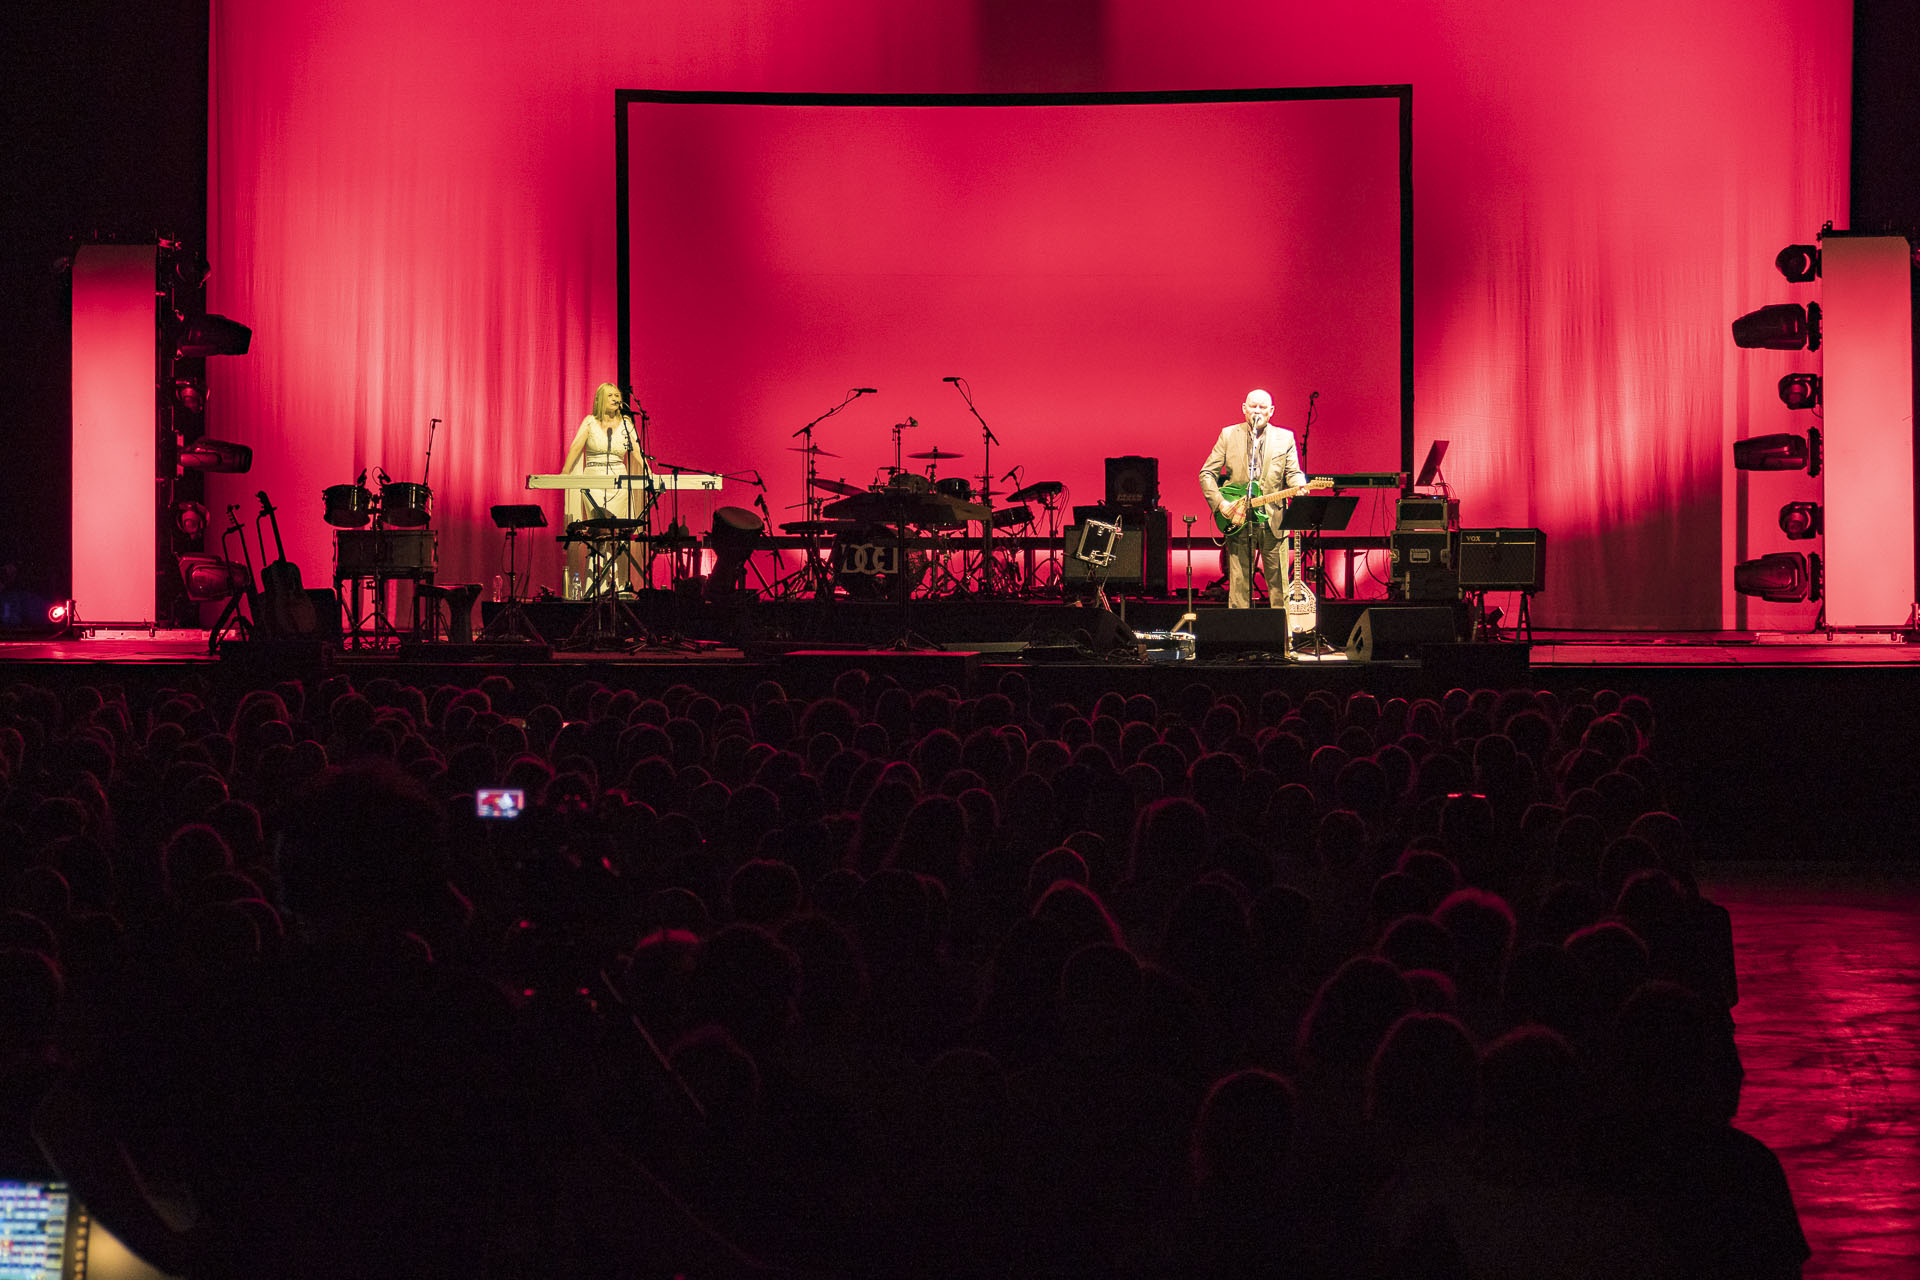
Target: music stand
{"x": 1310, "y": 515}
{"x": 1430, "y": 469}
{"x": 512, "y": 623}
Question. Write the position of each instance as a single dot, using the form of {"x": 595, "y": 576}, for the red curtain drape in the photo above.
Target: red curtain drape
{"x": 413, "y": 206}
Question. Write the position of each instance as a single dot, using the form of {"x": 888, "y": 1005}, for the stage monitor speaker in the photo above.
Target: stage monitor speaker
{"x": 1382, "y": 634}
{"x": 1123, "y": 572}
{"x": 1133, "y": 482}
{"x": 1226, "y": 631}
{"x": 1502, "y": 560}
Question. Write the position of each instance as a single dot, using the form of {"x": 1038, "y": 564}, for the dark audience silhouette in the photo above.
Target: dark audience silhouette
{"x": 889, "y": 982}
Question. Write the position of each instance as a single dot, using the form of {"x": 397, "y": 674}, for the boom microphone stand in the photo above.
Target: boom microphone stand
{"x": 987, "y": 441}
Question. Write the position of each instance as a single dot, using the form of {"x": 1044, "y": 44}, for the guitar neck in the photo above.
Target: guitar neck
{"x": 1283, "y": 494}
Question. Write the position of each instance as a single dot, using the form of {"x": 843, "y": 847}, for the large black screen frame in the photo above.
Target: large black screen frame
{"x": 1402, "y": 93}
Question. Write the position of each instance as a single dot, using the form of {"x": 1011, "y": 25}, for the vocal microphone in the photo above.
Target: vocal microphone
{"x": 866, "y": 391}
{"x": 954, "y": 380}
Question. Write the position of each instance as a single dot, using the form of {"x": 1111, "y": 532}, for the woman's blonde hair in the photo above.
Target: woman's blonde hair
{"x": 599, "y": 394}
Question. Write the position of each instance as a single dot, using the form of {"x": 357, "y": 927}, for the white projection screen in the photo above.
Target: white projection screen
{"x": 1109, "y": 273}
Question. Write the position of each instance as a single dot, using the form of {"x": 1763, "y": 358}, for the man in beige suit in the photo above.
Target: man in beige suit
{"x": 1253, "y": 446}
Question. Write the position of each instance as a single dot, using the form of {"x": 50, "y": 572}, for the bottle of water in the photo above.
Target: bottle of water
{"x": 499, "y": 585}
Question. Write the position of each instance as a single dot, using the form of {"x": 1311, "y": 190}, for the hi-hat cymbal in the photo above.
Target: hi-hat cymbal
{"x": 814, "y": 449}
{"x": 941, "y": 454}
{"x": 1043, "y": 489}
{"x": 838, "y": 486}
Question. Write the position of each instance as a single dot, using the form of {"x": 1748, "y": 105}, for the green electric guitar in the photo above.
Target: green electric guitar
{"x": 1257, "y": 502}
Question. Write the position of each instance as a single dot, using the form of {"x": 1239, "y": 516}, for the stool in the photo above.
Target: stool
{"x": 459, "y": 598}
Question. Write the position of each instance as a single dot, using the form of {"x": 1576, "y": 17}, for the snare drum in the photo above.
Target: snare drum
{"x": 349, "y": 506}
{"x": 405, "y": 506}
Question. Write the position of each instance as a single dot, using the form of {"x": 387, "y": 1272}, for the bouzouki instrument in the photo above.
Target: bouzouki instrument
{"x": 1231, "y": 494}
{"x": 285, "y": 608}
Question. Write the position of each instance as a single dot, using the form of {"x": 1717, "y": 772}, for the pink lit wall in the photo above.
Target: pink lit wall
{"x": 413, "y": 207}
{"x": 113, "y": 432}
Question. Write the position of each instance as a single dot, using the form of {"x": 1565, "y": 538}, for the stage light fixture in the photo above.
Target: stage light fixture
{"x": 1782, "y": 577}
{"x": 209, "y": 578}
{"x": 1784, "y": 326}
{"x": 60, "y": 612}
{"x": 1800, "y": 390}
{"x": 1799, "y": 263}
{"x": 211, "y": 335}
{"x": 1801, "y": 520}
{"x": 1781, "y": 451}
{"x": 217, "y": 455}
{"x": 190, "y": 394}
{"x": 190, "y": 519}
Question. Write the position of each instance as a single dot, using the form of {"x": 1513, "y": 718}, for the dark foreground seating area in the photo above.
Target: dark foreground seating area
{"x": 887, "y": 983}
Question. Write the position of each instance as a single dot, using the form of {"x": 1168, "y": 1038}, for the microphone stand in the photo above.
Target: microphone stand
{"x": 1306, "y": 567}
{"x": 643, "y": 449}
{"x": 987, "y": 441}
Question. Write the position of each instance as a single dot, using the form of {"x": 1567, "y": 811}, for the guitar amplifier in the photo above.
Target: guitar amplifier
{"x": 1435, "y": 515}
{"x": 1140, "y": 552}
{"x": 1503, "y": 560}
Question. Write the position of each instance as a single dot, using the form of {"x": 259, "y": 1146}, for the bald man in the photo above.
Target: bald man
{"x": 1253, "y": 446}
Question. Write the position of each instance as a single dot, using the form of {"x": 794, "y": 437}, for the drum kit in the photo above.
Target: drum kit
{"x": 381, "y": 539}
{"x": 400, "y": 505}
{"x": 907, "y": 532}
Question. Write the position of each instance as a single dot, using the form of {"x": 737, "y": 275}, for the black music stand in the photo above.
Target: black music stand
{"x": 1310, "y": 515}
{"x": 512, "y": 623}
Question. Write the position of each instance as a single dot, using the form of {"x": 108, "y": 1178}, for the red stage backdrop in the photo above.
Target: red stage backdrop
{"x": 414, "y": 209}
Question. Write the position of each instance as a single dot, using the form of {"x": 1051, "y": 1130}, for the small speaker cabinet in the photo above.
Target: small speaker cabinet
{"x": 1133, "y": 482}
{"x": 1502, "y": 560}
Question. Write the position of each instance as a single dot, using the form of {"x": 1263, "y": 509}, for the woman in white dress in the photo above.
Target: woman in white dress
{"x": 606, "y": 444}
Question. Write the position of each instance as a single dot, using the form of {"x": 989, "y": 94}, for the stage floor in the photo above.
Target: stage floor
{"x": 1828, "y": 1026}
{"x": 1550, "y": 649}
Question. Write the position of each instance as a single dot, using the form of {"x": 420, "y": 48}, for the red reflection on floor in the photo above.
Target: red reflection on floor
{"x": 1829, "y": 1030}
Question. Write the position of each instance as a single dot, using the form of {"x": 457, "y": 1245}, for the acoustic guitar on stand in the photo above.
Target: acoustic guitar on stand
{"x": 1230, "y": 495}
{"x": 284, "y": 607}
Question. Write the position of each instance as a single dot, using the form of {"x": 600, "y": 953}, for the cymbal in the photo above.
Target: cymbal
{"x": 839, "y": 486}
{"x": 1044, "y": 489}
{"x": 941, "y": 454}
{"x": 814, "y": 449}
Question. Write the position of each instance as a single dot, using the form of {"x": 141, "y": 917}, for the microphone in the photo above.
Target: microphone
{"x": 1010, "y": 475}
{"x": 955, "y": 380}
{"x": 911, "y": 422}
{"x": 762, "y": 483}
{"x": 866, "y": 391}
